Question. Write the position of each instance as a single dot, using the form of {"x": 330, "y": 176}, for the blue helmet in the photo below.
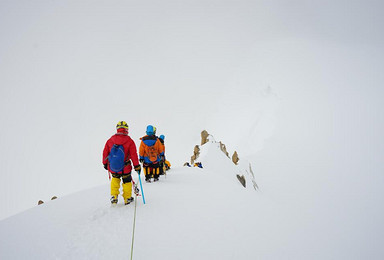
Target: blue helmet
{"x": 162, "y": 137}
{"x": 150, "y": 130}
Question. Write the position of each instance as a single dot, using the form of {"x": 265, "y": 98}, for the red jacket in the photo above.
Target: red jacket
{"x": 129, "y": 150}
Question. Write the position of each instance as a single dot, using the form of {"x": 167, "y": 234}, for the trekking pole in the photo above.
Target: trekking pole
{"x": 141, "y": 187}
{"x": 134, "y": 225}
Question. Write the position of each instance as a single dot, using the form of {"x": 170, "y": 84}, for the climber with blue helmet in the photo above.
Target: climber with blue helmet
{"x": 150, "y": 153}
{"x": 162, "y": 159}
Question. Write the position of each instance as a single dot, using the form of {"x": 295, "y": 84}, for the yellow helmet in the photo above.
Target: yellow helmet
{"x": 122, "y": 124}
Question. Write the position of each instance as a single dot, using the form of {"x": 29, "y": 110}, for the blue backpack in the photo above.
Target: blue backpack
{"x": 116, "y": 158}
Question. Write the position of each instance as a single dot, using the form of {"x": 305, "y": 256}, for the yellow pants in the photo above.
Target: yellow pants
{"x": 151, "y": 171}
{"x": 115, "y": 188}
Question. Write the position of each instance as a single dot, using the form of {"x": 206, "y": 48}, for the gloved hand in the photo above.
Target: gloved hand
{"x": 138, "y": 168}
{"x": 106, "y": 166}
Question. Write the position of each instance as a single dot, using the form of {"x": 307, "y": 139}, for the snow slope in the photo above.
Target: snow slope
{"x": 191, "y": 213}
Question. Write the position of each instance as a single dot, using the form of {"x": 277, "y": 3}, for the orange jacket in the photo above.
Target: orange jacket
{"x": 151, "y": 150}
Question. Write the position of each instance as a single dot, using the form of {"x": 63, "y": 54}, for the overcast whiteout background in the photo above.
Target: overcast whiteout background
{"x": 310, "y": 74}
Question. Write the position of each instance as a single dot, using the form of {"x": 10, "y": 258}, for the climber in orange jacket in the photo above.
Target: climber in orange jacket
{"x": 150, "y": 152}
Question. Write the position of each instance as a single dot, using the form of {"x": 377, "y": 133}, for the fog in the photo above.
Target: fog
{"x": 310, "y": 73}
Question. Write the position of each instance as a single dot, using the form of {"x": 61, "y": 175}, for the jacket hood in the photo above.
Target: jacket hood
{"x": 120, "y": 138}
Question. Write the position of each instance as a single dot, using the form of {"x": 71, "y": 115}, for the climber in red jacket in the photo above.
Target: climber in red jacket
{"x": 118, "y": 156}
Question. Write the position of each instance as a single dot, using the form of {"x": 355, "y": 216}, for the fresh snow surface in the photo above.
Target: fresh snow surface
{"x": 191, "y": 213}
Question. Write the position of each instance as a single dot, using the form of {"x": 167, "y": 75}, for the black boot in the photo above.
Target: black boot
{"x": 129, "y": 200}
{"x": 114, "y": 199}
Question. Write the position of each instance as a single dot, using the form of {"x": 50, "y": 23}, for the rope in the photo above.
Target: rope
{"x": 134, "y": 225}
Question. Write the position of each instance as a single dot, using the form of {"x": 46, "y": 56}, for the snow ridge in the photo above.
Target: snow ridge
{"x": 185, "y": 210}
